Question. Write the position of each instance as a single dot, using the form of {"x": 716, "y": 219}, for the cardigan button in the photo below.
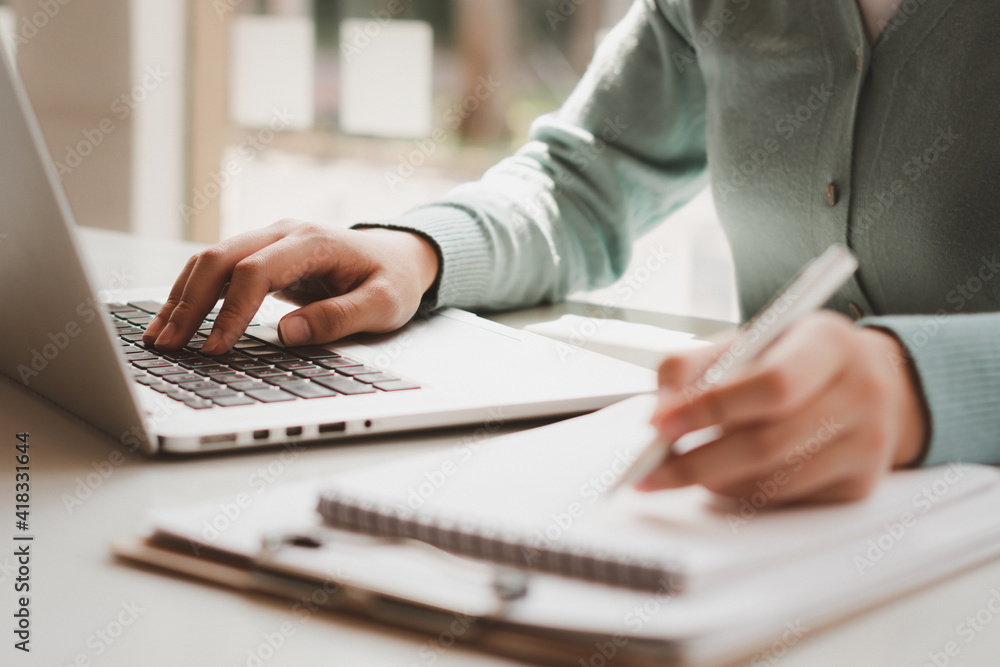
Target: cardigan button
{"x": 856, "y": 311}
{"x": 831, "y": 194}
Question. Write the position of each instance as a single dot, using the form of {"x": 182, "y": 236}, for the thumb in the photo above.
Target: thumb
{"x": 680, "y": 370}
{"x": 363, "y": 309}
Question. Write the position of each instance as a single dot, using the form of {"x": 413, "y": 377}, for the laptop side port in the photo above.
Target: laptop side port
{"x": 333, "y": 427}
{"x": 293, "y": 430}
{"x": 262, "y": 435}
{"x": 217, "y": 439}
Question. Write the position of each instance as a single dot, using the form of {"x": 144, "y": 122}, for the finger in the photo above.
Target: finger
{"x": 844, "y": 469}
{"x": 747, "y": 453}
{"x": 160, "y": 320}
{"x": 373, "y": 307}
{"x": 685, "y": 368}
{"x": 303, "y": 292}
{"x": 251, "y": 279}
{"x": 203, "y": 282}
{"x": 781, "y": 381}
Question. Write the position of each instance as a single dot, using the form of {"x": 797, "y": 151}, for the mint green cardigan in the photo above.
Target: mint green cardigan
{"x": 807, "y": 136}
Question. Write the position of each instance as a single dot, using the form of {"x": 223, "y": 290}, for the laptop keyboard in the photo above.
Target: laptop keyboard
{"x": 252, "y": 373}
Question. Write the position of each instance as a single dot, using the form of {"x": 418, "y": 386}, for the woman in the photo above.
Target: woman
{"x": 814, "y": 122}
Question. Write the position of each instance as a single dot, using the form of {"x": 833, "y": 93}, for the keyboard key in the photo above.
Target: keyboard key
{"x": 179, "y": 355}
{"x": 139, "y": 355}
{"x": 245, "y": 342}
{"x": 308, "y": 390}
{"x": 147, "y": 305}
{"x": 313, "y": 352}
{"x": 295, "y": 365}
{"x": 344, "y": 385}
{"x": 370, "y": 378}
{"x": 342, "y": 362}
{"x": 226, "y": 378}
{"x": 215, "y": 391}
{"x": 398, "y": 385}
{"x": 270, "y": 395}
{"x": 228, "y": 357}
{"x": 214, "y": 369}
{"x": 152, "y": 363}
{"x": 248, "y": 365}
{"x": 198, "y": 386}
{"x": 258, "y": 350}
{"x": 163, "y": 387}
{"x": 129, "y": 313}
{"x": 118, "y": 307}
{"x": 140, "y": 321}
{"x": 132, "y": 336}
{"x": 276, "y": 357}
{"x": 230, "y": 401}
{"x": 314, "y": 372}
{"x": 267, "y": 373}
{"x": 146, "y": 379}
{"x": 182, "y": 378}
{"x": 197, "y": 362}
{"x": 351, "y": 371}
{"x": 198, "y": 403}
{"x": 244, "y": 385}
{"x": 196, "y": 344}
{"x": 282, "y": 379}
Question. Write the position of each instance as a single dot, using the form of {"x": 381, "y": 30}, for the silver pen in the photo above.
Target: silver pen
{"x": 810, "y": 289}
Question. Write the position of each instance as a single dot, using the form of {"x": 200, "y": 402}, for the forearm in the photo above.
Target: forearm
{"x": 627, "y": 148}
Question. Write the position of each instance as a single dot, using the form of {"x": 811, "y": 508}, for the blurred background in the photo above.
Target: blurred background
{"x": 201, "y": 119}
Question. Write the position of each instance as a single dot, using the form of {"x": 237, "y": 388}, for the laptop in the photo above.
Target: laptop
{"x": 60, "y": 341}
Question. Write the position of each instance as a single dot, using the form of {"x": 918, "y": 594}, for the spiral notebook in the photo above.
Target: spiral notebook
{"x": 538, "y": 500}
{"x": 733, "y": 575}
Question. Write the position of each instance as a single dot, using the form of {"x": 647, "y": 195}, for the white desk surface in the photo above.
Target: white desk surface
{"x": 89, "y": 609}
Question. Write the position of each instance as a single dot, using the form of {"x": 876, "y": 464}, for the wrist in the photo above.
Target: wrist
{"x": 415, "y": 247}
{"x": 906, "y": 402}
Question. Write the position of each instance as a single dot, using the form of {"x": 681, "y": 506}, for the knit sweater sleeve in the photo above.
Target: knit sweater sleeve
{"x": 625, "y": 149}
{"x": 957, "y": 363}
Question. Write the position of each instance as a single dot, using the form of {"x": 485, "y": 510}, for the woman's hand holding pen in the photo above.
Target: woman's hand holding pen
{"x": 822, "y": 414}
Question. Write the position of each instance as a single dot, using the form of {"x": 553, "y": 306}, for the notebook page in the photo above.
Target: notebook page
{"x": 546, "y": 487}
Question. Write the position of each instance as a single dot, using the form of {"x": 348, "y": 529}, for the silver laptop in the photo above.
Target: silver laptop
{"x": 58, "y": 340}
